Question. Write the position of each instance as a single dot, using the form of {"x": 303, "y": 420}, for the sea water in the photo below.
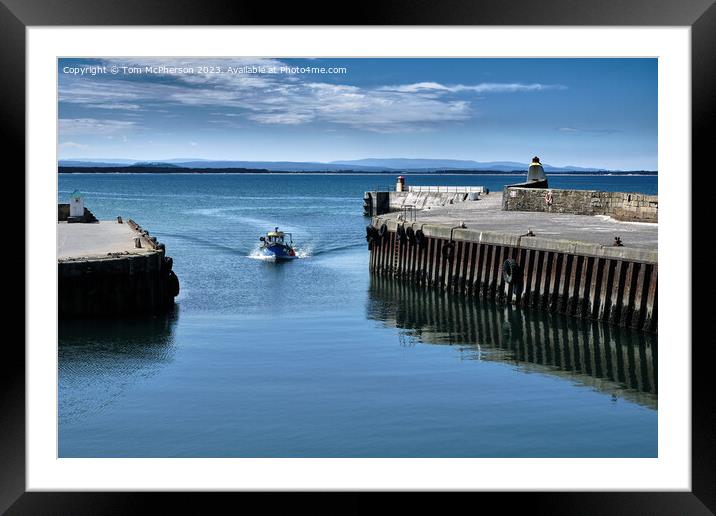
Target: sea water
{"x": 314, "y": 358}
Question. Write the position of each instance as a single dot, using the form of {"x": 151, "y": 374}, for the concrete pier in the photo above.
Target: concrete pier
{"x": 418, "y": 198}
{"x": 565, "y": 263}
{"x": 103, "y": 272}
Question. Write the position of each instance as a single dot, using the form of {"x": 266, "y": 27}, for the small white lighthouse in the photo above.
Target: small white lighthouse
{"x": 77, "y": 204}
{"x": 400, "y": 185}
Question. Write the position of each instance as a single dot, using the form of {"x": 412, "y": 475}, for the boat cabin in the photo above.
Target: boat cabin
{"x": 275, "y": 237}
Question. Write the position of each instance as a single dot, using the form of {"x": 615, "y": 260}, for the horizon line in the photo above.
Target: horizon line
{"x": 336, "y": 162}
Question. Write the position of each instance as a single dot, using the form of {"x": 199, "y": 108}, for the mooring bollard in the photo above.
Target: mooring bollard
{"x": 137, "y": 242}
{"x": 119, "y": 220}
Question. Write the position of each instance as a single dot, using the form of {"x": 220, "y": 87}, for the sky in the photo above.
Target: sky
{"x": 582, "y": 112}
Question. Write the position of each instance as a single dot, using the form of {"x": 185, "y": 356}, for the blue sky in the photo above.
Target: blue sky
{"x": 581, "y": 112}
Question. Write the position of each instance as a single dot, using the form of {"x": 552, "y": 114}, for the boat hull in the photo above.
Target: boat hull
{"x": 278, "y": 252}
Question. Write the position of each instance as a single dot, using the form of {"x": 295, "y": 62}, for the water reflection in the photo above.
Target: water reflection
{"x": 613, "y": 360}
{"x": 99, "y": 358}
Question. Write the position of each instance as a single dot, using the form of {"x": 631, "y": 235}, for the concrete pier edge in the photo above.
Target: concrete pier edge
{"x": 526, "y": 242}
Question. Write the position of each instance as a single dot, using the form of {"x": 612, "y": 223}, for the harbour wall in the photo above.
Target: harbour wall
{"x": 118, "y": 284}
{"x": 417, "y": 198}
{"x": 631, "y": 207}
{"x": 617, "y": 285}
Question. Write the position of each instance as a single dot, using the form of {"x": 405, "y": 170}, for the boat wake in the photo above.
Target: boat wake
{"x": 305, "y": 251}
{"x": 339, "y": 248}
{"x": 256, "y": 254}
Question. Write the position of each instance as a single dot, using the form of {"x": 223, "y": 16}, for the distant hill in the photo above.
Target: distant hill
{"x": 153, "y": 164}
{"x": 278, "y": 166}
{"x": 154, "y": 169}
{"x": 275, "y": 166}
{"x": 79, "y": 162}
{"x": 456, "y": 164}
{"x": 370, "y": 165}
{"x": 90, "y": 163}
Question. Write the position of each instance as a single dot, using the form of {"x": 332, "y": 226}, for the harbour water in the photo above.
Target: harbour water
{"x": 314, "y": 358}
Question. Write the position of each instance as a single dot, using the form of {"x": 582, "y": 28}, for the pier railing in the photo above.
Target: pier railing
{"x": 447, "y": 189}
{"x": 409, "y": 212}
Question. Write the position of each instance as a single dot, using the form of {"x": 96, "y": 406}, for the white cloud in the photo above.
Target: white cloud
{"x": 98, "y": 91}
{"x": 73, "y": 145}
{"x": 416, "y": 87}
{"x": 285, "y": 118}
{"x": 287, "y": 100}
{"x": 485, "y": 87}
{"x": 118, "y": 105}
{"x": 92, "y": 126}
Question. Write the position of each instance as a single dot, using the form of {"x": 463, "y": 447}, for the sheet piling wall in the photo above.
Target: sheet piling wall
{"x": 617, "y": 285}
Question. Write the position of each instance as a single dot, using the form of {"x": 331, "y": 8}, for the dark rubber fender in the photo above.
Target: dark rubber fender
{"x": 172, "y": 284}
{"x": 402, "y": 236}
{"x": 420, "y": 240}
{"x": 448, "y": 250}
{"x": 370, "y": 233}
{"x": 511, "y": 271}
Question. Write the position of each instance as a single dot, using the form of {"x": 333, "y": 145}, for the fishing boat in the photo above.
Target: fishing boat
{"x": 274, "y": 245}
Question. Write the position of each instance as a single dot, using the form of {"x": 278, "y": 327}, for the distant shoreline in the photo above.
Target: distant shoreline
{"x": 182, "y": 170}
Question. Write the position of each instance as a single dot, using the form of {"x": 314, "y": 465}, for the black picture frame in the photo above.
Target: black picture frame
{"x": 700, "y": 15}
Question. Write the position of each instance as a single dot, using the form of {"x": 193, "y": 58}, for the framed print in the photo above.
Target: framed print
{"x": 416, "y": 253}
